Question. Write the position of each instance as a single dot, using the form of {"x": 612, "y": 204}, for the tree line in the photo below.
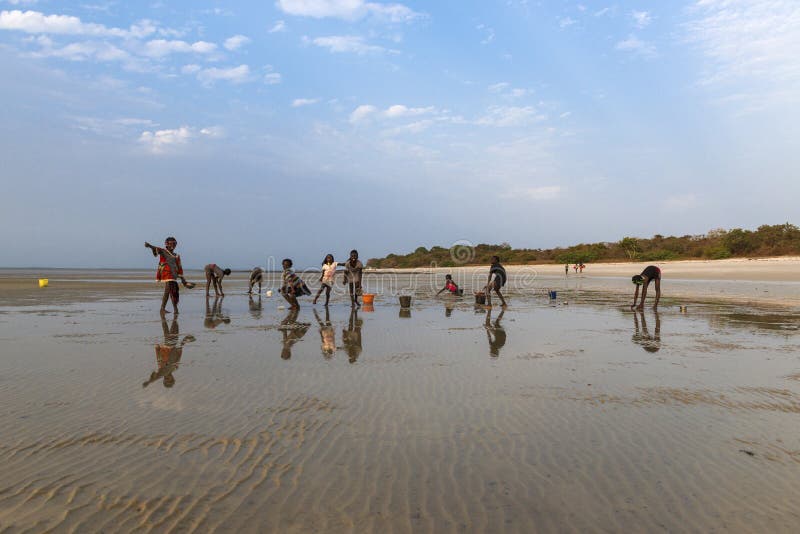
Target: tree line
{"x": 766, "y": 240}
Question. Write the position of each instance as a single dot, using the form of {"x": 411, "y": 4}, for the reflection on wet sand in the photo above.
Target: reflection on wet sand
{"x": 214, "y": 314}
{"x": 292, "y": 331}
{"x": 641, "y": 336}
{"x": 327, "y": 334}
{"x": 351, "y": 336}
{"x": 495, "y": 333}
{"x": 168, "y": 354}
{"x": 255, "y": 306}
{"x": 448, "y": 309}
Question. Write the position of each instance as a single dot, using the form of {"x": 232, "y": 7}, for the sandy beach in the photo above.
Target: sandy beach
{"x": 566, "y": 415}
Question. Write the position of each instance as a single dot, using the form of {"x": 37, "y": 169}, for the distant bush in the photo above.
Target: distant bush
{"x": 766, "y": 240}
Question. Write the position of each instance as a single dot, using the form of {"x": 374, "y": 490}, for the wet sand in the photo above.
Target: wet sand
{"x": 568, "y": 415}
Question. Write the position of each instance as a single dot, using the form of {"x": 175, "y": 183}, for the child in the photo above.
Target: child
{"x": 650, "y": 273}
{"x": 169, "y": 271}
{"x": 256, "y": 275}
{"x": 497, "y": 279}
{"x": 328, "y": 271}
{"x": 353, "y": 269}
{"x": 293, "y": 285}
{"x": 450, "y": 286}
{"x": 566, "y": 270}
{"x": 214, "y": 275}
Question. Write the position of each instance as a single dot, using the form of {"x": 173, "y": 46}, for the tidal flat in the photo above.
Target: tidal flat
{"x": 574, "y": 414}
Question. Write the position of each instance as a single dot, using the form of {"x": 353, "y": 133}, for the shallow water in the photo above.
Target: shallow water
{"x": 572, "y": 415}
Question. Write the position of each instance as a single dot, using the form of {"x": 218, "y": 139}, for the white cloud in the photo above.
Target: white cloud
{"x": 411, "y": 128}
{"x": 349, "y": 43}
{"x": 504, "y": 89}
{"x": 566, "y": 22}
{"x": 347, "y": 9}
{"x": 190, "y": 69}
{"x": 488, "y": 33}
{"x": 546, "y": 192}
{"x": 636, "y": 46}
{"x": 162, "y": 141}
{"x": 279, "y": 26}
{"x": 396, "y": 111}
{"x": 300, "y": 102}
{"x": 603, "y": 12}
{"x": 238, "y": 74}
{"x": 680, "y": 202}
{"x": 273, "y": 78}
{"x": 21, "y": 2}
{"x": 504, "y": 116}
{"x": 158, "y": 48}
{"x": 361, "y": 113}
{"x": 81, "y": 51}
{"x": 399, "y": 110}
{"x": 751, "y": 48}
{"x": 641, "y": 19}
{"x": 37, "y": 22}
{"x": 235, "y": 42}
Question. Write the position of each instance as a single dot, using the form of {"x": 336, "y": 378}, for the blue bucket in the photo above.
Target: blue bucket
{"x": 552, "y": 294}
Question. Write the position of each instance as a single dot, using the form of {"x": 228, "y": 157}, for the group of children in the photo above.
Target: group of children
{"x": 170, "y": 271}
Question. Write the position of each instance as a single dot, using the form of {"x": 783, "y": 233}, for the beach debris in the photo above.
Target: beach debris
{"x": 749, "y": 453}
{"x": 43, "y": 282}
{"x": 269, "y": 292}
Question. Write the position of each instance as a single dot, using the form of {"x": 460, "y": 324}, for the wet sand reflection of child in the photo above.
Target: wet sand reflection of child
{"x": 495, "y": 333}
{"x": 351, "y": 336}
{"x": 168, "y": 354}
{"x": 214, "y": 316}
{"x": 292, "y": 332}
{"x": 327, "y": 334}
{"x": 642, "y": 337}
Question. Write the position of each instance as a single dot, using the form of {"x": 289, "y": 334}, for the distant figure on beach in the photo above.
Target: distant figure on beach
{"x": 353, "y": 270}
{"x": 293, "y": 286}
{"x": 651, "y": 273}
{"x": 169, "y": 271}
{"x": 256, "y": 276}
{"x": 495, "y": 333}
{"x": 351, "y": 337}
{"x": 292, "y": 332}
{"x": 642, "y": 337}
{"x": 575, "y": 267}
{"x": 326, "y": 278}
{"x": 214, "y": 316}
{"x": 168, "y": 354}
{"x": 450, "y": 286}
{"x": 327, "y": 335}
{"x": 581, "y": 267}
{"x": 214, "y": 275}
{"x": 497, "y": 279}
{"x": 566, "y": 269}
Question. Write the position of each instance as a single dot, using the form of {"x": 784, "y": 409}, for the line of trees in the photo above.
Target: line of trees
{"x": 767, "y": 240}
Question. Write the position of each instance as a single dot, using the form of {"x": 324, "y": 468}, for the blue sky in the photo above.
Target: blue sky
{"x": 301, "y": 127}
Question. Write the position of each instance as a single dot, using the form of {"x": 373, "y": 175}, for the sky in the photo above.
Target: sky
{"x": 294, "y": 128}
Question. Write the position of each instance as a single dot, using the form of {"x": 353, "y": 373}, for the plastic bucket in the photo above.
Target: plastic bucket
{"x": 480, "y": 298}
{"x": 369, "y": 298}
{"x": 552, "y": 294}
{"x": 405, "y": 301}
{"x": 43, "y": 282}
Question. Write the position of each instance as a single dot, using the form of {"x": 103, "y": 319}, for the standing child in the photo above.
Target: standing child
{"x": 293, "y": 285}
{"x": 328, "y": 271}
{"x": 353, "y": 269}
{"x": 497, "y": 279}
{"x": 214, "y": 275}
{"x": 566, "y": 270}
{"x": 169, "y": 271}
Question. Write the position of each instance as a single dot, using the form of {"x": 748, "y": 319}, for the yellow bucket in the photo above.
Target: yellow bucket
{"x": 43, "y": 282}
